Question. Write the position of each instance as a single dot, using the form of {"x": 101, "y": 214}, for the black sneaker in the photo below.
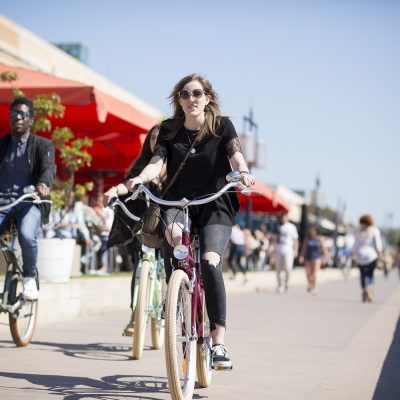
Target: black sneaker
{"x": 220, "y": 357}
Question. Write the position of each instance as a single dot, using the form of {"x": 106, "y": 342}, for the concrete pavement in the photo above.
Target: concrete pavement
{"x": 99, "y": 294}
{"x": 289, "y": 346}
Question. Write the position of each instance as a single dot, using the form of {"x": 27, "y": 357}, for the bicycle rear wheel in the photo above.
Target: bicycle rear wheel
{"x": 180, "y": 355}
{"x": 204, "y": 370}
{"x": 23, "y": 321}
{"x": 158, "y": 323}
{"x": 141, "y": 312}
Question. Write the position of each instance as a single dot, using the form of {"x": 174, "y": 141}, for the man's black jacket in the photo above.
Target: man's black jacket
{"x": 41, "y": 163}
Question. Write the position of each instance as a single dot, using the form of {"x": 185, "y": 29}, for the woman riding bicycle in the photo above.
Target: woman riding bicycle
{"x": 123, "y": 226}
{"x": 216, "y": 152}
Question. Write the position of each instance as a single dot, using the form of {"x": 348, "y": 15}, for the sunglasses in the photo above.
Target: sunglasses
{"x": 22, "y": 114}
{"x": 196, "y": 93}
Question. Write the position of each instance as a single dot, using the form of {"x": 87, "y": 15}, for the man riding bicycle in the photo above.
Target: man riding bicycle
{"x": 25, "y": 159}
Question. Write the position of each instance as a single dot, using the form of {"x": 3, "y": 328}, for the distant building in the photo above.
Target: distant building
{"x": 21, "y": 48}
{"x": 76, "y": 50}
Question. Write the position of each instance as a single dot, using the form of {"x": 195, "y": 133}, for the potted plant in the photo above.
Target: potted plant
{"x": 55, "y": 256}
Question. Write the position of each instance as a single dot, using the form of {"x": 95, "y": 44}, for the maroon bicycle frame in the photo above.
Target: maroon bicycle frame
{"x": 191, "y": 266}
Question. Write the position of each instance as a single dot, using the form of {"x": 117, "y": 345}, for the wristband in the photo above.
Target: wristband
{"x": 245, "y": 172}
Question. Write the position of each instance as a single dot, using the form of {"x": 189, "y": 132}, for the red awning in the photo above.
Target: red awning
{"x": 115, "y": 126}
{"x": 265, "y": 200}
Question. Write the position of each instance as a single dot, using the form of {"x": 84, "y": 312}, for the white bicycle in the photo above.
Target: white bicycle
{"x": 22, "y": 313}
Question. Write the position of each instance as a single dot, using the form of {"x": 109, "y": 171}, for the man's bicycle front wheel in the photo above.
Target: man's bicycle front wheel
{"x": 157, "y": 322}
{"x": 141, "y": 312}
{"x": 180, "y": 347}
{"x": 23, "y": 320}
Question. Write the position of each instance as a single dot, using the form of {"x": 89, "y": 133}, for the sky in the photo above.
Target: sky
{"x": 322, "y": 78}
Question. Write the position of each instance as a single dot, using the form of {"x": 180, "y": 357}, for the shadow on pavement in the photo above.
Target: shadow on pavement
{"x": 388, "y": 387}
{"x": 91, "y": 351}
{"x": 77, "y": 387}
{"x": 108, "y": 387}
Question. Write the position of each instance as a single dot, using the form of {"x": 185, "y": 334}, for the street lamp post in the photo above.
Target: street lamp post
{"x": 318, "y": 200}
{"x": 253, "y": 149}
{"x": 250, "y": 156}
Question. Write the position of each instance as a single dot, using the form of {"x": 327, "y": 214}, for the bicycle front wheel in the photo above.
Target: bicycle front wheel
{"x": 204, "y": 371}
{"x": 158, "y": 323}
{"x": 180, "y": 347}
{"x": 141, "y": 312}
{"x": 23, "y": 321}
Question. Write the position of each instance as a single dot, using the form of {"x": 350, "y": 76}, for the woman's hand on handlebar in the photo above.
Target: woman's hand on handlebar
{"x": 131, "y": 185}
{"x": 114, "y": 192}
{"x": 111, "y": 193}
{"x": 247, "y": 179}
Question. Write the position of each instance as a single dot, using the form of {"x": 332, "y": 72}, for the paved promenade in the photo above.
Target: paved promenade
{"x": 99, "y": 294}
{"x": 284, "y": 347}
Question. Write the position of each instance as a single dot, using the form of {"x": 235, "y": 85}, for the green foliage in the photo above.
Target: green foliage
{"x": 73, "y": 153}
{"x": 17, "y": 92}
{"x": 11, "y": 77}
{"x": 82, "y": 189}
{"x": 8, "y": 76}
{"x": 47, "y": 106}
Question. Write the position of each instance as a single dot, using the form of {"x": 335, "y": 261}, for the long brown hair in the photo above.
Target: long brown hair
{"x": 144, "y": 157}
{"x": 212, "y": 111}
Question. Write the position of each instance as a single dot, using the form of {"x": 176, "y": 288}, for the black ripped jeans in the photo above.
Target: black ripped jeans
{"x": 213, "y": 238}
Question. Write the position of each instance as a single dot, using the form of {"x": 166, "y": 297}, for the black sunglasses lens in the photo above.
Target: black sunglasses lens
{"x": 197, "y": 93}
{"x": 185, "y": 94}
{"x": 23, "y": 114}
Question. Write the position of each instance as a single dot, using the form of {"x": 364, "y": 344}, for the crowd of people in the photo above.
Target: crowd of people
{"x": 89, "y": 223}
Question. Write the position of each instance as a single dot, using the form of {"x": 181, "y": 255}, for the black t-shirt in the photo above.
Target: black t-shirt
{"x": 204, "y": 172}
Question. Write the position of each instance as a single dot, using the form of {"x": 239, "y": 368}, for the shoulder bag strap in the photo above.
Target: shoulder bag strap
{"x": 180, "y": 168}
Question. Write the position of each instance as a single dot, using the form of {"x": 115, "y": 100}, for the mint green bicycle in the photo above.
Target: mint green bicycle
{"x": 149, "y": 292}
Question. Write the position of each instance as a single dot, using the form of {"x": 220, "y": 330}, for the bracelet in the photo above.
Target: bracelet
{"x": 245, "y": 172}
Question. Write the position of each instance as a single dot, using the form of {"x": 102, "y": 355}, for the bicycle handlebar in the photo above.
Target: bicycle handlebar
{"x": 185, "y": 202}
{"x": 34, "y": 196}
{"x": 118, "y": 202}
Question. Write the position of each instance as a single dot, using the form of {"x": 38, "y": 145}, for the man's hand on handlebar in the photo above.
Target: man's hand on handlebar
{"x": 42, "y": 189}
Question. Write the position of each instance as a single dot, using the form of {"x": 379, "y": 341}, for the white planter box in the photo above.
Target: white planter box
{"x": 55, "y": 259}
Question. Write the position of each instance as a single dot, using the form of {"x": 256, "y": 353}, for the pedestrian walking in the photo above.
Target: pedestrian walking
{"x": 286, "y": 247}
{"x": 237, "y": 251}
{"x": 366, "y": 251}
{"x": 396, "y": 262}
{"x": 313, "y": 253}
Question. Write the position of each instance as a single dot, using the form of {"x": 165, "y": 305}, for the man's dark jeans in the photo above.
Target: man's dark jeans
{"x": 28, "y": 218}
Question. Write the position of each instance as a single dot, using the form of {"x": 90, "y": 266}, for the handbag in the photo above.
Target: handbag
{"x": 151, "y": 223}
